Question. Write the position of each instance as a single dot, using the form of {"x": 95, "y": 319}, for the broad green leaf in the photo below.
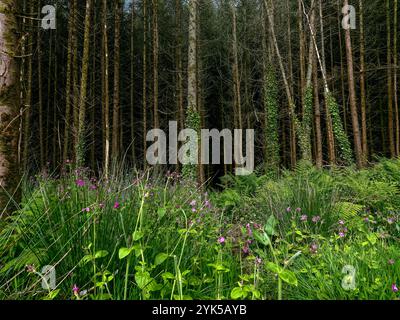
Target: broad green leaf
{"x": 101, "y": 254}
{"x": 143, "y": 279}
{"x": 273, "y": 267}
{"x": 270, "y": 226}
{"x": 160, "y": 258}
{"x": 137, "y": 235}
{"x": 124, "y": 252}
{"x": 262, "y": 237}
{"x": 161, "y": 212}
{"x": 238, "y": 293}
{"x": 289, "y": 277}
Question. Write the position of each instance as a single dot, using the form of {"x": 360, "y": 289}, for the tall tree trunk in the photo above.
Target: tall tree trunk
{"x": 132, "y": 85}
{"x": 353, "y": 102}
{"x": 75, "y": 77}
{"x": 40, "y": 88}
{"x": 81, "y": 145}
{"x": 105, "y": 87}
{"x": 235, "y": 67}
{"x": 155, "y": 65}
{"x": 317, "y": 115}
{"x": 328, "y": 117}
{"x": 9, "y": 107}
{"x": 68, "y": 104}
{"x": 28, "y": 96}
{"x": 302, "y": 55}
{"x": 390, "y": 81}
{"x": 116, "y": 97}
{"x": 364, "y": 136}
{"x": 144, "y": 86}
{"x": 395, "y": 71}
{"x": 193, "y": 115}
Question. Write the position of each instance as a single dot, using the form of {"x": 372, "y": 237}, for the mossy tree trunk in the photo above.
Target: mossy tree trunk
{"x": 9, "y": 107}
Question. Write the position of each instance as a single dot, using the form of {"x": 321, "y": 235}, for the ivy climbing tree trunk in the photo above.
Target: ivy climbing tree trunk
{"x": 193, "y": 116}
{"x": 9, "y": 107}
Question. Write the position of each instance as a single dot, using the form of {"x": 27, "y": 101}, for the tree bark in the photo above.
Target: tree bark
{"x": 364, "y": 136}
{"x": 81, "y": 145}
{"x": 9, "y": 108}
{"x": 352, "y": 96}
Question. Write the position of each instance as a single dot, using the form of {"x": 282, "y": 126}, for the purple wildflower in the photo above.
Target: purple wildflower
{"x": 221, "y": 240}
{"x": 258, "y": 261}
{"x": 394, "y": 288}
{"x": 116, "y": 205}
{"x": 316, "y": 219}
{"x": 75, "y": 289}
{"x": 193, "y": 203}
{"x": 298, "y": 210}
{"x": 341, "y": 222}
{"x": 303, "y": 218}
{"x": 80, "y": 183}
{"x": 341, "y": 234}
{"x": 288, "y": 209}
{"x": 86, "y": 209}
{"x": 314, "y": 248}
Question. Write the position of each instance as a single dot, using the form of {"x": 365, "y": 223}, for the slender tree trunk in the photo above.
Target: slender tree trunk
{"x": 132, "y": 85}
{"x": 328, "y": 117}
{"x": 67, "y": 129}
{"x": 40, "y": 89}
{"x": 9, "y": 108}
{"x": 144, "y": 94}
{"x": 302, "y": 55}
{"x": 317, "y": 115}
{"x": 390, "y": 81}
{"x": 235, "y": 67}
{"x": 105, "y": 87}
{"x": 155, "y": 65}
{"x": 28, "y": 96}
{"x": 395, "y": 71}
{"x": 81, "y": 145}
{"x": 75, "y": 77}
{"x": 116, "y": 97}
{"x": 352, "y": 96}
{"x": 364, "y": 137}
{"x": 193, "y": 115}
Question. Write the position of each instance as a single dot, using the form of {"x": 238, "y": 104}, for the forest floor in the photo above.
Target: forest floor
{"x": 308, "y": 234}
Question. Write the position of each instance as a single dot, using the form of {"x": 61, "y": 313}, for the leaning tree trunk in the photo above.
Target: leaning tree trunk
{"x": 9, "y": 107}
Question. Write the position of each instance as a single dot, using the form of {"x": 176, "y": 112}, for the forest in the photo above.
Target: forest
{"x": 308, "y": 208}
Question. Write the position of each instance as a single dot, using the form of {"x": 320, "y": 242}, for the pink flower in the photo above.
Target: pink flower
{"x": 93, "y": 187}
{"x": 341, "y": 222}
{"x": 298, "y": 210}
{"x": 116, "y": 205}
{"x": 194, "y": 210}
{"x": 80, "y": 183}
{"x": 86, "y": 209}
{"x": 75, "y": 289}
{"x": 288, "y": 209}
{"x": 341, "y": 234}
{"x": 258, "y": 261}
{"x": 303, "y": 218}
{"x": 249, "y": 231}
{"x": 221, "y": 240}
{"x": 193, "y": 203}
{"x": 316, "y": 219}
{"x": 394, "y": 288}
{"x": 391, "y": 262}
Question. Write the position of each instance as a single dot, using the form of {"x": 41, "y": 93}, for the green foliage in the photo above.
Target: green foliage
{"x": 341, "y": 137}
{"x": 287, "y": 238}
